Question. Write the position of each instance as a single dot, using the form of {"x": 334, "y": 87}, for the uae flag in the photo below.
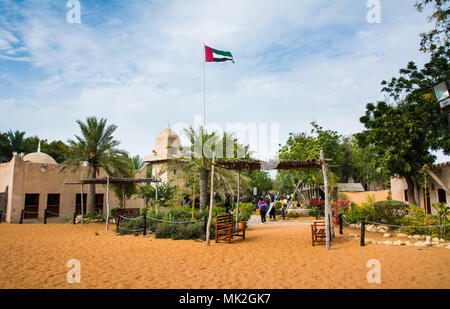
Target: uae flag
{"x": 215, "y": 55}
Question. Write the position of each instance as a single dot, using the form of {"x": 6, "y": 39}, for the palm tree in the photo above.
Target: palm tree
{"x": 14, "y": 141}
{"x": 198, "y": 159}
{"x": 97, "y": 146}
{"x": 198, "y": 166}
{"x": 137, "y": 163}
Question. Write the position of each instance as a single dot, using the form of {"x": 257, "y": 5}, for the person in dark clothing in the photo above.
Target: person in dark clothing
{"x": 227, "y": 204}
{"x": 272, "y": 211}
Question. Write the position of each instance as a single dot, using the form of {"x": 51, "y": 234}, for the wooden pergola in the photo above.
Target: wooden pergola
{"x": 252, "y": 165}
{"x": 108, "y": 180}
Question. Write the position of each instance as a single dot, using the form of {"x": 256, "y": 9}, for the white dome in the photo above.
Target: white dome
{"x": 39, "y": 157}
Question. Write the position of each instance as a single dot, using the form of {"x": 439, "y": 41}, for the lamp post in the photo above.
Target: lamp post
{"x": 442, "y": 94}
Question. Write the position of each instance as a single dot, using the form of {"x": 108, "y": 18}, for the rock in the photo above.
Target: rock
{"x": 427, "y": 238}
{"x": 397, "y": 243}
{"x": 442, "y": 240}
{"x": 448, "y": 246}
{"x": 418, "y": 237}
{"x": 386, "y": 235}
{"x": 407, "y": 243}
{"x": 410, "y": 237}
{"x": 401, "y": 235}
{"x": 420, "y": 244}
{"x": 435, "y": 240}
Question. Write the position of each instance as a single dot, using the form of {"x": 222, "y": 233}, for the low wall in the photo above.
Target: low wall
{"x": 359, "y": 197}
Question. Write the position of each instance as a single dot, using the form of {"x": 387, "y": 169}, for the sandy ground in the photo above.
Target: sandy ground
{"x": 272, "y": 256}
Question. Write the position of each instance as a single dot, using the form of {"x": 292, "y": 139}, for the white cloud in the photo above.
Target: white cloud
{"x": 141, "y": 68}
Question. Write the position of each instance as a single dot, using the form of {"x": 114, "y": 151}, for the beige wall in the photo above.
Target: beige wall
{"x": 399, "y": 185}
{"x": 25, "y": 177}
{"x": 359, "y": 197}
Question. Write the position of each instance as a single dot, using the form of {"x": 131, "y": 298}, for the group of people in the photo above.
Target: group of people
{"x": 266, "y": 204}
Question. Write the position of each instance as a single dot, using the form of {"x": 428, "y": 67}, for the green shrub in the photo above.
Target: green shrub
{"x": 113, "y": 212}
{"x": 165, "y": 230}
{"x": 390, "y": 212}
{"x": 355, "y": 212}
{"x": 320, "y": 211}
{"x": 245, "y": 211}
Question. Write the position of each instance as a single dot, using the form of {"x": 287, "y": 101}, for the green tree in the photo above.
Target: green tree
{"x": 261, "y": 180}
{"x": 303, "y": 146}
{"x": 439, "y": 36}
{"x": 14, "y": 141}
{"x": 403, "y": 134}
{"x": 196, "y": 167}
{"x": 97, "y": 146}
{"x": 137, "y": 162}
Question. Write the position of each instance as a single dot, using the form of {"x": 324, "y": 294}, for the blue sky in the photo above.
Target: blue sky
{"x": 139, "y": 63}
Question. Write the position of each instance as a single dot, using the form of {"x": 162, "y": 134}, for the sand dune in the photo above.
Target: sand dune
{"x": 272, "y": 256}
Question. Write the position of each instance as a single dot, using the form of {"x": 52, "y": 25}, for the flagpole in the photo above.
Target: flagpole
{"x": 204, "y": 86}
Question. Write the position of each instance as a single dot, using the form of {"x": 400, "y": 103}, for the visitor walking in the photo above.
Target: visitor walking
{"x": 262, "y": 210}
{"x": 272, "y": 210}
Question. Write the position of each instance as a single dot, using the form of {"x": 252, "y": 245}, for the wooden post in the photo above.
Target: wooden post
{"x": 156, "y": 195}
{"x": 107, "y": 202}
{"x": 82, "y": 203}
{"x": 144, "y": 232}
{"x": 238, "y": 196}
{"x": 193, "y": 201}
{"x": 21, "y": 216}
{"x": 327, "y": 200}
{"x": 340, "y": 224}
{"x": 363, "y": 231}
{"x": 75, "y": 217}
{"x": 211, "y": 201}
{"x": 317, "y": 213}
{"x": 45, "y": 216}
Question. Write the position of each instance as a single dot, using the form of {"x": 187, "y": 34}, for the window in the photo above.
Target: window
{"x": 99, "y": 203}
{"x": 78, "y": 204}
{"x": 442, "y": 198}
{"x": 52, "y": 205}
{"x": 31, "y": 206}
{"x": 174, "y": 172}
{"x": 406, "y": 195}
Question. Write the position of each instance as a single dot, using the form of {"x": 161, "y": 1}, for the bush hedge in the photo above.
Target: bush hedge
{"x": 173, "y": 230}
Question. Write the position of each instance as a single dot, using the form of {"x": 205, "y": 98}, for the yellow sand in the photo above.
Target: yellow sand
{"x": 272, "y": 256}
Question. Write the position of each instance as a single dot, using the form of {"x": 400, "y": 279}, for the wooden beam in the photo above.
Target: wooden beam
{"x": 327, "y": 201}
{"x": 440, "y": 182}
{"x": 211, "y": 202}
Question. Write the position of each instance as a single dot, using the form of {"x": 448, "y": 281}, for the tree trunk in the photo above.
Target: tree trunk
{"x": 91, "y": 202}
{"x": 203, "y": 187}
{"x": 411, "y": 190}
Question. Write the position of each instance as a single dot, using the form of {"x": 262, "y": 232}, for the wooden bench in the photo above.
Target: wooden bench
{"x": 226, "y": 229}
{"x": 318, "y": 232}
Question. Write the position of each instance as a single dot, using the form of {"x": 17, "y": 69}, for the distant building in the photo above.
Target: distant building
{"x": 34, "y": 183}
{"x": 350, "y": 187}
{"x": 167, "y": 149}
{"x": 356, "y": 193}
{"x": 438, "y": 191}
